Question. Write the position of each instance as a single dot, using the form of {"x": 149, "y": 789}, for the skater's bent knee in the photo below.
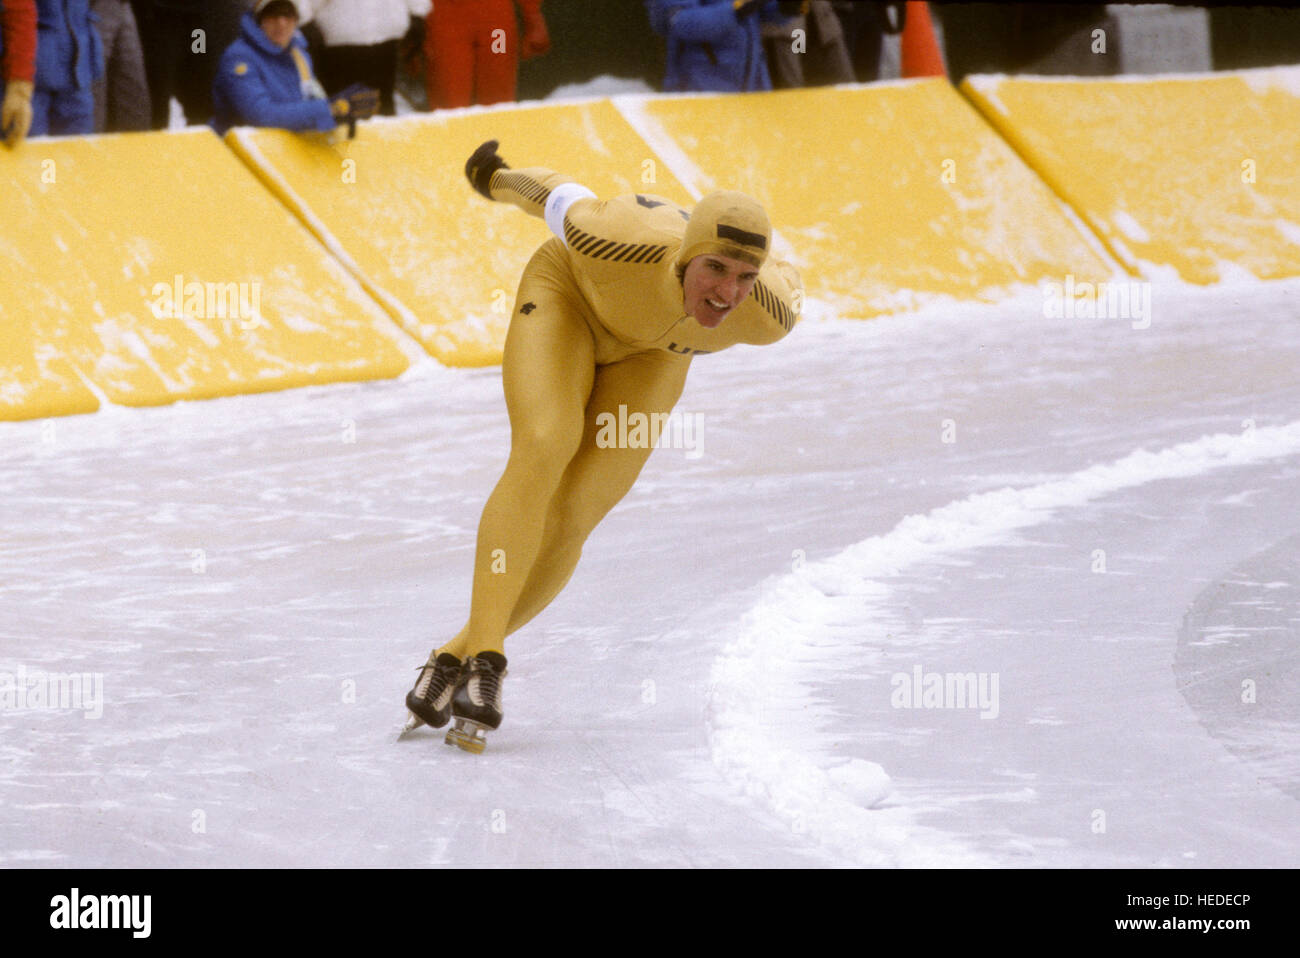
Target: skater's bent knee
{"x": 545, "y": 445}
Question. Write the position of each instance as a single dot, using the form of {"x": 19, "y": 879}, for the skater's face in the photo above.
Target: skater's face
{"x": 714, "y": 285}
{"x": 280, "y": 28}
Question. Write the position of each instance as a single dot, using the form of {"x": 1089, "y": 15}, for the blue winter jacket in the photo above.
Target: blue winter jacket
{"x": 709, "y": 47}
{"x": 258, "y": 84}
{"x": 69, "y": 52}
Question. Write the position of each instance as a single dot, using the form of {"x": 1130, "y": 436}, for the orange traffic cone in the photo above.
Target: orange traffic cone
{"x": 921, "y": 56}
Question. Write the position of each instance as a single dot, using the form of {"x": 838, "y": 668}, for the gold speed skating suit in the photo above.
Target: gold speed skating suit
{"x": 619, "y": 258}
{"x": 599, "y": 323}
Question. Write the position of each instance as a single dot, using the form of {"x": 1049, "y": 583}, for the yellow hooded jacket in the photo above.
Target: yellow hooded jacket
{"x": 620, "y": 255}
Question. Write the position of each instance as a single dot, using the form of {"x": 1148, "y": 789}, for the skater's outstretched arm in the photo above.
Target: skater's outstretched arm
{"x": 535, "y": 190}
{"x": 576, "y": 215}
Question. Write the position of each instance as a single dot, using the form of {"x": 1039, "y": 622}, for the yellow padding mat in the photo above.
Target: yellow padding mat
{"x": 394, "y": 204}
{"x": 36, "y": 379}
{"x": 1195, "y": 175}
{"x": 155, "y": 267}
{"x": 887, "y": 194}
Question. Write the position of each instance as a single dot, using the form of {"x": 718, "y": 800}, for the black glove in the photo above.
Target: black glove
{"x": 481, "y": 165}
{"x": 744, "y": 8}
{"x": 353, "y": 103}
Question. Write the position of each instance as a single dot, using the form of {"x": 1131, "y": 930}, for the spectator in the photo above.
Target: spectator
{"x": 820, "y": 58}
{"x": 17, "y": 68}
{"x": 69, "y": 59}
{"x": 122, "y": 97}
{"x": 865, "y": 26}
{"x": 265, "y": 78}
{"x": 714, "y": 45}
{"x": 182, "y": 41}
{"x": 361, "y": 43}
{"x": 473, "y": 49}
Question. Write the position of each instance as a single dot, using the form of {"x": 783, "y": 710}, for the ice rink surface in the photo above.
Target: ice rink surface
{"x": 764, "y": 656}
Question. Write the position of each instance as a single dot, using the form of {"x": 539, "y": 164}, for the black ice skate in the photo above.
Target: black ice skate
{"x": 476, "y": 706}
{"x": 430, "y": 701}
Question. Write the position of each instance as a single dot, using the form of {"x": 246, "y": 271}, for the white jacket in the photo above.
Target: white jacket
{"x": 364, "y": 23}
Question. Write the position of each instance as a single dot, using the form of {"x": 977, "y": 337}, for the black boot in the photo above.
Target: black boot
{"x": 476, "y": 704}
{"x": 430, "y": 700}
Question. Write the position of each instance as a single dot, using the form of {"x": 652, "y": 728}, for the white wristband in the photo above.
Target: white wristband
{"x": 558, "y": 203}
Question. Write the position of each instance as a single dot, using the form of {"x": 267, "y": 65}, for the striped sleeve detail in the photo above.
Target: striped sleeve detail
{"x": 774, "y": 306}
{"x": 521, "y": 183}
{"x": 597, "y": 248}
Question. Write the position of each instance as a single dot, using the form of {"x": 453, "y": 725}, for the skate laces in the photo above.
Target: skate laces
{"x": 488, "y": 680}
{"x": 436, "y": 682}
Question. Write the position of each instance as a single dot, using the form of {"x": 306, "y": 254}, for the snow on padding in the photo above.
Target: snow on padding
{"x": 888, "y": 195}
{"x": 394, "y": 206}
{"x": 147, "y": 268}
{"x": 1188, "y": 174}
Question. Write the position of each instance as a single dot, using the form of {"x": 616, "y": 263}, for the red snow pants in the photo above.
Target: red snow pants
{"x": 472, "y": 51}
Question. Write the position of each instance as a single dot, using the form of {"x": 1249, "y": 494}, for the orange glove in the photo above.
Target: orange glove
{"x": 537, "y": 39}
{"x": 16, "y": 112}
{"x": 410, "y": 51}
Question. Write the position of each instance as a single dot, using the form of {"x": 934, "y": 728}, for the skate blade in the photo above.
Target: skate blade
{"x": 467, "y": 736}
{"x": 412, "y": 723}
